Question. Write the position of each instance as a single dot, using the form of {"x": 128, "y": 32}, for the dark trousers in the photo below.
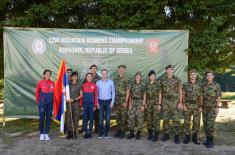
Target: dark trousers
{"x": 88, "y": 115}
{"x": 45, "y": 107}
{"x": 96, "y": 119}
{"x": 104, "y": 113}
{"x": 45, "y": 113}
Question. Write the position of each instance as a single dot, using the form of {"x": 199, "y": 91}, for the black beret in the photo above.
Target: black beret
{"x": 151, "y": 72}
{"x": 74, "y": 73}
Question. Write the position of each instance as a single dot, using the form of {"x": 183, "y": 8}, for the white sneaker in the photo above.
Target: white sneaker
{"x": 47, "y": 137}
{"x": 42, "y": 137}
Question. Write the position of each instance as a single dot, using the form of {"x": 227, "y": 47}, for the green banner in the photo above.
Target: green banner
{"x": 29, "y": 51}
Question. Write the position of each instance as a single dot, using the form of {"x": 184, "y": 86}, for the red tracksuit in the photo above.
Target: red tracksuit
{"x": 88, "y": 102}
{"x": 44, "y": 99}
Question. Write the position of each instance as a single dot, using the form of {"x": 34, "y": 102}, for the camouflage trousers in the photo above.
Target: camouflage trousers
{"x": 192, "y": 110}
{"x": 170, "y": 112}
{"x": 75, "y": 110}
{"x": 136, "y": 117}
{"x": 209, "y": 116}
{"x": 121, "y": 114}
{"x": 153, "y": 116}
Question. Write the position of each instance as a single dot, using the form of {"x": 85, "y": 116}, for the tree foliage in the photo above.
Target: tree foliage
{"x": 210, "y": 22}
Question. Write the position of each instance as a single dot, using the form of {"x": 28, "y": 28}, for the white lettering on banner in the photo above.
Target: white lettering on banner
{"x": 96, "y": 40}
{"x": 95, "y": 50}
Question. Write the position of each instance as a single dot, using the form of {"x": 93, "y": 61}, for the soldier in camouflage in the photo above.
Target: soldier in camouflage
{"x": 211, "y": 101}
{"x": 152, "y": 107}
{"x": 192, "y": 100}
{"x": 136, "y": 107}
{"x": 171, "y": 100}
{"x": 122, "y": 86}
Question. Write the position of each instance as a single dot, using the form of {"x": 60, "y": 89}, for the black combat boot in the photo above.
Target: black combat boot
{"x": 117, "y": 134}
{"x": 138, "y": 135}
{"x": 206, "y": 141}
{"x": 155, "y": 136}
{"x": 165, "y": 137}
{"x": 177, "y": 139}
{"x": 131, "y": 134}
{"x": 122, "y": 135}
{"x": 69, "y": 135}
{"x": 210, "y": 143}
{"x": 195, "y": 140}
{"x": 186, "y": 139}
{"x": 150, "y": 136}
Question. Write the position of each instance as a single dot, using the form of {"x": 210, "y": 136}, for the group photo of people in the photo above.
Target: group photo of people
{"x": 137, "y": 104}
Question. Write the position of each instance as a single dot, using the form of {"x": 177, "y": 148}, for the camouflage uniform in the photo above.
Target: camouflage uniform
{"x": 210, "y": 93}
{"x": 153, "y": 115}
{"x": 121, "y": 86}
{"x": 74, "y": 92}
{"x": 136, "y": 117}
{"x": 170, "y": 98}
{"x": 192, "y": 93}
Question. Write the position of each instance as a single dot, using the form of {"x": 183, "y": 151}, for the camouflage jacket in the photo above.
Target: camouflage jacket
{"x": 210, "y": 93}
{"x": 192, "y": 92}
{"x": 121, "y": 86}
{"x": 170, "y": 87}
{"x": 137, "y": 91}
{"x": 152, "y": 91}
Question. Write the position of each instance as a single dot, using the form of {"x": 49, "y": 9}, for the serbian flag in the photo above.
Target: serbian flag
{"x": 61, "y": 95}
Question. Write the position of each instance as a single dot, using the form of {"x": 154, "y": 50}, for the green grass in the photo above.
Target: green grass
{"x": 22, "y": 127}
{"x": 228, "y": 95}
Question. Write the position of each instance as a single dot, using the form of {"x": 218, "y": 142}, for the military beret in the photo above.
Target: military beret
{"x": 151, "y": 73}
{"x": 74, "y": 73}
{"x": 122, "y": 66}
{"x": 137, "y": 73}
{"x": 192, "y": 71}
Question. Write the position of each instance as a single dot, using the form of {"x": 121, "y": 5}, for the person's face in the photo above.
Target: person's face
{"x": 209, "y": 77}
{"x": 138, "y": 78}
{"x": 74, "y": 78}
{"x": 152, "y": 77}
{"x": 93, "y": 70}
{"x": 193, "y": 76}
{"x": 89, "y": 77}
{"x": 169, "y": 71}
{"x": 104, "y": 74}
{"x": 47, "y": 75}
{"x": 69, "y": 72}
{"x": 121, "y": 71}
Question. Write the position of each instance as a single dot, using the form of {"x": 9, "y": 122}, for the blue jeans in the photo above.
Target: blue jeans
{"x": 104, "y": 112}
{"x": 88, "y": 115}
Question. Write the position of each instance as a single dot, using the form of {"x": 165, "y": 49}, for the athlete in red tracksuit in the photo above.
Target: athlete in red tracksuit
{"x": 44, "y": 99}
{"x": 88, "y": 104}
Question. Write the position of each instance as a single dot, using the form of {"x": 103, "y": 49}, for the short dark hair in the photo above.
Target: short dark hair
{"x": 70, "y": 69}
{"x": 47, "y": 70}
{"x": 94, "y": 65}
{"x": 88, "y": 74}
{"x": 169, "y": 66}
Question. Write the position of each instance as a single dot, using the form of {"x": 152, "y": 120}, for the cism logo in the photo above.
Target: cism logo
{"x": 39, "y": 46}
